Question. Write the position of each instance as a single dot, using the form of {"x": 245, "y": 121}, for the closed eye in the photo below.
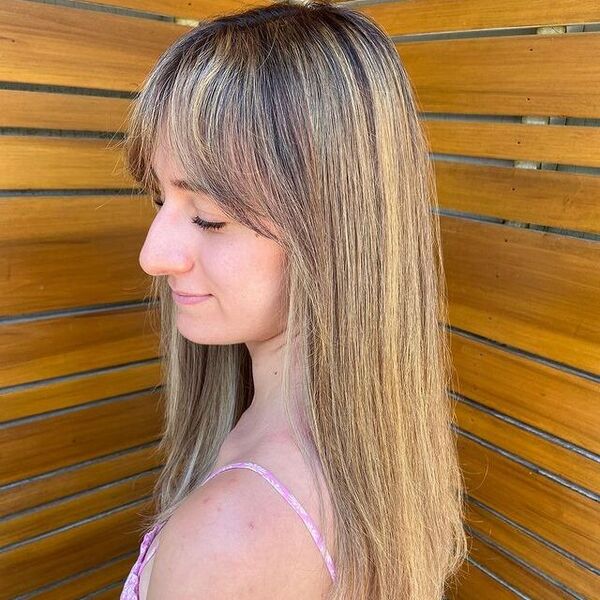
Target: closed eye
{"x": 197, "y": 220}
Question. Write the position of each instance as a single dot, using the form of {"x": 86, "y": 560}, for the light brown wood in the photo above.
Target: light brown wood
{"x": 545, "y": 454}
{"x": 81, "y": 585}
{"x": 75, "y": 112}
{"x": 90, "y": 258}
{"x": 59, "y": 346}
{"x": 35, "y": 447}
{"x": 532, "y": 290}
{"x": 571, "y": 145}
{"x": 552, "y": 510}
{"x": 513, "y": 75}
{"x": 72, "y": 550}
{"x": 45, "y": 162}
{"x": 47, "y": 518}
{"x": 425, "y": 16}
{"x": 551, "y": 399}
{"x": 188, "y": 9}
{"x": 475, "y": 584}
{"x": 541, "y": 556}
{"x": 514, "y": 574}
{"x": 55, "y": 45}
{"x": 33, "y": 493}
{"x": 553, "y": 198}
{"x": 46, "y": 396}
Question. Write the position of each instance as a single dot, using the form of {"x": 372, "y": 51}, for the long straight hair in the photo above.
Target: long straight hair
{"x": 301, "y": 114}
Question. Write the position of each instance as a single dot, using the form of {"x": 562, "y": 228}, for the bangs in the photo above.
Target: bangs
{"x": 208, "y": 108}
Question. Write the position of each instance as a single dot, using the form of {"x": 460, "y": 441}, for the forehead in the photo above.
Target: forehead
{"x": 163, "y": 166}
{"x": 166, "y": 171}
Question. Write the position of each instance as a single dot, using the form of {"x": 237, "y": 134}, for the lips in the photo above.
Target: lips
{"x": 186, "y": 294}
{"x": 188, "y": 299}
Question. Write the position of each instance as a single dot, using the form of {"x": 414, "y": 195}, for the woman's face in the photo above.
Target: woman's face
{"x": 241, "y": 270}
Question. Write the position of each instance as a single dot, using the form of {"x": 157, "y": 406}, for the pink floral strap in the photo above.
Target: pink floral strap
{"x": 291, "y": 499}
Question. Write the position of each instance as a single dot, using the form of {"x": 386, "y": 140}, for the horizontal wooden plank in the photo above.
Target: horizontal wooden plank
{"x": 76, "y": 112}
{"x": 110, "y": 593}
{"x": 427, "y": 16}
{"x": 72, "y": 550}
{"x": 47, "y": 396}
{"x": 36, "y": 491}
{"x": 82, "y": 585}
{"x": 34, "y": 447}
{"x": 570, "y": 145}
{"x": 475, "y": 584}
{"x": 104, "y": 233}
{"x": 525, "y": 547}
{"x": 34, "y": 350}
{"x": 48, "y": 517}
{"x": 543, "y": 453}
{"x": 512, "y": 75}
{"x": 514, "y": 574}
{"x": 556, "y": 512}
{"x": 97, "y": 215}
{"x": 533, "y": 290}
{"x": 554, "y": 198}
{"x": 44, "y": 162}
{"x": 553, "y": 400}
{"x": 55, "y": 45}
{"x": 189, "y": 9}
{"x": 105, "y": 272}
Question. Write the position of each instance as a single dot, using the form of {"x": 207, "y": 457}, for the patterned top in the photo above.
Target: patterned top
{"x": 131, "y": 587}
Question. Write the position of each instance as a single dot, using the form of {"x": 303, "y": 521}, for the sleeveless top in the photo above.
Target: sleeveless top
{"x": 131, "y": 588}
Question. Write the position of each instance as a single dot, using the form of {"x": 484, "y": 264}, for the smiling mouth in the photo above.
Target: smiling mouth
{"x": 187, "y": 299}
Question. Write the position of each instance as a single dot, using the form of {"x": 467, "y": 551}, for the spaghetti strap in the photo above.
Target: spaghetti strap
{"x": 290, "y": 498}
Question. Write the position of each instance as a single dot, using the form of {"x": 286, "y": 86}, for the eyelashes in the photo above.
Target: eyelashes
{"x": 197, "y": 220}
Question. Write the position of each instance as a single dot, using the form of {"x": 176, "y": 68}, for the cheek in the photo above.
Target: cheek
{"x": 247, "y": 275}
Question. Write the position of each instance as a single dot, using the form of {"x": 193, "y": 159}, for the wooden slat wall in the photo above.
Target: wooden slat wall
{"x": 521, "y": 254}
{"x": 79, "y": 364}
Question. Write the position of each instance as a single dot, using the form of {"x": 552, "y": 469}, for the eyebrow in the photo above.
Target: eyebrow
{"x": 182, "y": 184}
{"x": 186, "y": 185}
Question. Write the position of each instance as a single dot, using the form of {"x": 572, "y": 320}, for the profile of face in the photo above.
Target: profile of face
{"x": 241, "y": 270}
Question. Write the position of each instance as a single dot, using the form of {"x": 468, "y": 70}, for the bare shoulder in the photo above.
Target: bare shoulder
{"x": 235, "y": 537}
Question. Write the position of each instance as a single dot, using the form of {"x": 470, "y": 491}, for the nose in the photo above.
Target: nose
{"x": 166, "y": 248}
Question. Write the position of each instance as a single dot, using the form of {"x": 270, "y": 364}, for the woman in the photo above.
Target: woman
{"x": 306, "y": 374}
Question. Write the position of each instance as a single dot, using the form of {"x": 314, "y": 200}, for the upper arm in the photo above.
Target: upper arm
{"x": 230, "y": 539}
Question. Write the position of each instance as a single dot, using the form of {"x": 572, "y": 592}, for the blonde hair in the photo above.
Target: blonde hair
{"x": 303, "y": 116}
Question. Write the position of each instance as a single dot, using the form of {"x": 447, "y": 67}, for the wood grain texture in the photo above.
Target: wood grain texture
{"x": 522, "y": 545}
{"x": 514, "y": 75}
{"x": 545, "y": 454}
{"x": 57, "y": 346}
{"x": 188, "y": 9}
{"x": 554, "y": 511}
{"x": 427, "y": 16}
{"x": 516, "y": 575}
{"x": 46, "y": 396}
{"x": 77, "y": 587}
{"x": 549, "y": 398}
{"x": 71, "y": 550}
{"x": 476, "y": 584}
{"x": 46, "y": 162}
{"x": 35, "y": 447}
{"x": 74, "y": 112}
{"x": 67, "y": 46}
{"x": 49, "y": 517}
{"x": 89, "y": 258}
{"x": 533, "y": 290}
{"x": 570, "y": 145}
{"x": 553, "y": 198}
{"x": 74, "y": 479}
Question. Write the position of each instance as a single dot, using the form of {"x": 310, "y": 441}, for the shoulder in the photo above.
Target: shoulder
{"x": 235, "y": 537}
